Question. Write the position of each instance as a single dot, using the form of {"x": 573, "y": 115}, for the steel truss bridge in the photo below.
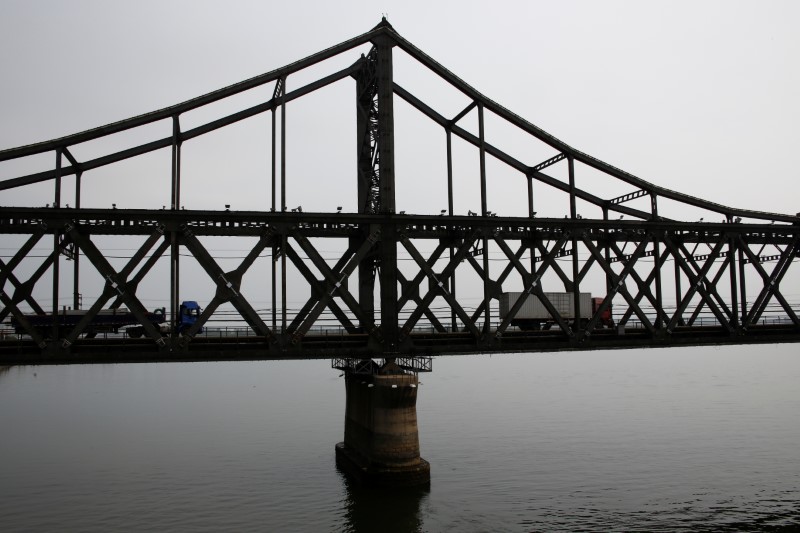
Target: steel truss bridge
{"x": 669, "y": 282}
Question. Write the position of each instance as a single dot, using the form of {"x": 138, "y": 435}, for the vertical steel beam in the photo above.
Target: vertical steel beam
{"x": 388, "y": 242}
{"x": 283, "y": 144}
{"x": 283, "y": 205}
{"x": 386, "y": 124}
{"x": 660, "y": 318}
{"x": 531, "y": 242}
{"x": 484, "y": 213}
{"x": 452, "y": 280}
{"x": 284, "y": 245}
{"x": 607, "y": 252}
{"x": 531, "y": 212}
{"x": 56, "y": 245}
{"x": 573, "y": 213}
{"x": 734, "y": 285}
{"x": 449, "y": 137}
{"x": 274, "y": 261}
{"x": 482, "y": 155}
{"x": 174, "y": 241}
{"x": 272, "y": 162}
{"x": 678, "y": 295}
{"x": 57, "y": 197}
{"x": 176, "y": 162}
{"x": 76, "y": 290}
{"x": 742, "y": 288}
{"x": 366, "y": 144}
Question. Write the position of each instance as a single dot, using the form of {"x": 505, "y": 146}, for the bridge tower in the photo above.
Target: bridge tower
{"x": 381, "y": 439}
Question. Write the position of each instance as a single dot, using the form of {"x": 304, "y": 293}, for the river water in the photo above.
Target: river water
{"x": 679, "y": 439}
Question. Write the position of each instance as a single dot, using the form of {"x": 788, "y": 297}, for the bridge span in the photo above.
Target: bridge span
{"x": 549, "y": 260}
{"x": 377, "y": 280}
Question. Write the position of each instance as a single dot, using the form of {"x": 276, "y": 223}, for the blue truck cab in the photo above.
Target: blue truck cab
{"x": 188, "y": 315}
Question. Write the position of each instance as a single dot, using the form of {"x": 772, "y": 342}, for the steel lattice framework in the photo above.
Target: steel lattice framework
{"x": 716, "y": 266}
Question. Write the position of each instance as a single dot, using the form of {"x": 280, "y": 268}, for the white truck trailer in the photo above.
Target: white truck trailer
{"x": 533, "y": 315}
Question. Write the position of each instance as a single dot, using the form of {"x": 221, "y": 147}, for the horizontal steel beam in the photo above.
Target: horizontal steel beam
{"x": 32, "y": 220}
{"x": 354, "y": 347}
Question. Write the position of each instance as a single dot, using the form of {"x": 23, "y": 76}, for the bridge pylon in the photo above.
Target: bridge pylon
{"x": 381, "y": 435}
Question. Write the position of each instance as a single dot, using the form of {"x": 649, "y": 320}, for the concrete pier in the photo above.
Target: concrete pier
{"x": 381, "y": 438}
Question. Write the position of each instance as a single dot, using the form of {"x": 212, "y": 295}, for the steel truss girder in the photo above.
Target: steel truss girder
{"x": 22, "y": 291}
{"x": 562, "y": 252}
{"x": 432, "y": 318}
{"x": 694, "y": 263}
{"x": 717, "y": 277}
{"x": 657, "y": 265}
{"x": 439, "y": 285}
{"x": 618, "y": 282}
{"x": 494, "y": 285}
{"x": 335, "y": 284}
{"x": 109, "y": 290}
{"x": 228, "y": 287}
{"x": 771, "y": 281}
{"x": 644, "y": 287}
{"x": 318, "y": 288}
{"x": 699, "y": 282}
{"x": 514, "y": 261}
{"x": 410, "y": 289}
{"x": 116, "y": 281}
{"x": 228, "y": 284}
{"x": 133, "y": 283}
{"x": 534, "y": 287}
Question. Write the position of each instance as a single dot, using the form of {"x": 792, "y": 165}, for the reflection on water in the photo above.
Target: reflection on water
{"x": 646, "y": 440}
{"x": 386, "y": 510}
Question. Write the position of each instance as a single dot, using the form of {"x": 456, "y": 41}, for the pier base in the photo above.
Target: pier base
{"x": 381, "y": 438}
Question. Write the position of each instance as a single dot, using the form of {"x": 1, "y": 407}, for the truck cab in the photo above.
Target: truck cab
{"x": 606, "y": 319}
{"x": 188, "y": 314}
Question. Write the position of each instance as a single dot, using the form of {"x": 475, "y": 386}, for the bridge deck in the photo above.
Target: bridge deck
{"x": 16, "y": 350}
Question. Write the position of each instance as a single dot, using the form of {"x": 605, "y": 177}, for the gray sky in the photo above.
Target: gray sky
{"x": 698, "y": 97}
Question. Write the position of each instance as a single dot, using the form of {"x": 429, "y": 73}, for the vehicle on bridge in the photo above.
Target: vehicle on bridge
{"x": 533, "y": 315}
{"x": 106, "y": 321}
{"x": 188, "y": 314}
{"x": 114, "y": 320}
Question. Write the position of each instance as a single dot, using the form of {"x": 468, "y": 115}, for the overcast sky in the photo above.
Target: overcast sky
{"x": 700, "y": 97}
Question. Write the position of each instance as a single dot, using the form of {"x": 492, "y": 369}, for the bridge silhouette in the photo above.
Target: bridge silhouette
{"x": 402, "y": 284}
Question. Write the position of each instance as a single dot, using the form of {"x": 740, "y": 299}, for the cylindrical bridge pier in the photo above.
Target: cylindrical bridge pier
{"x": 381, "y": 437}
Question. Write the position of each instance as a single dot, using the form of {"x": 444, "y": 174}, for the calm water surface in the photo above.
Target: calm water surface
{"x": 640, "y": 440}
